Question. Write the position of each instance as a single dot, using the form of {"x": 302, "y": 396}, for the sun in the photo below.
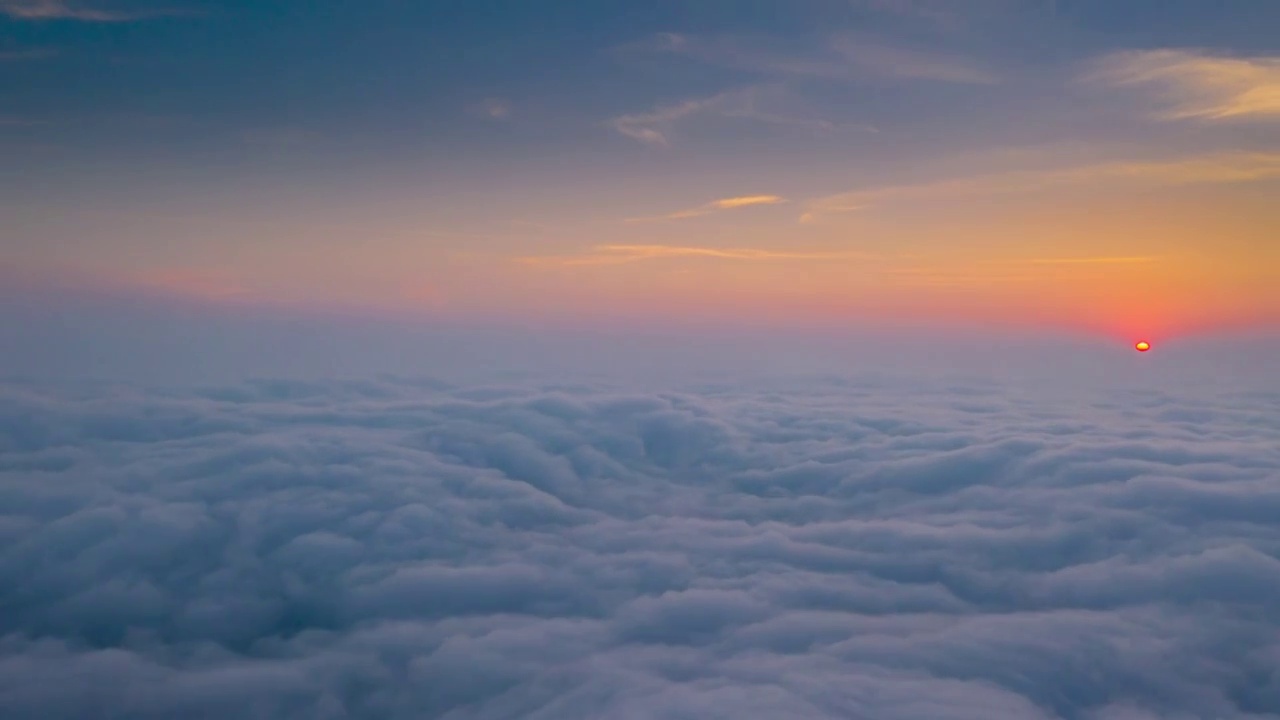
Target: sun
{"x": 1142, "y": 346}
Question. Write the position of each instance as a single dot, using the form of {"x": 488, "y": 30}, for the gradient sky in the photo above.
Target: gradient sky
{"x": 1083, "y": 164}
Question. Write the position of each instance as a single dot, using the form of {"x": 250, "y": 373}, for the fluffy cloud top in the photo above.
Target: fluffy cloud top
{"x": 833, "y": 549}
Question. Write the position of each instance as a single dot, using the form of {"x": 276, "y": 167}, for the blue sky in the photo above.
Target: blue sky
{"x": 251, "y": 63}
{"x": 1080, "y": 165}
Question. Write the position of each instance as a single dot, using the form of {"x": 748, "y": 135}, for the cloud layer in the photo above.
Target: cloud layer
{"x": 816, "y": 549}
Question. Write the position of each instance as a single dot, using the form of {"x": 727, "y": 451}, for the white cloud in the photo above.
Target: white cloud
{"x": 730, "y": 203}
{"x": 1198, "y": 85}
{"x": 808, "y": 549}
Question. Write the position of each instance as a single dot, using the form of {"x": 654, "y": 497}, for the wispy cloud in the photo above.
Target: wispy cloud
{"x": 732, "y": 203}
{"x": 838, "y": 57}
{"x": 494, "y": 109}
{"x": 774, "y": 100}
{"x": 765, "y": 104}
{"x": 652, "y": 127}
{"x": 1198, "y": 85}
{"x": 83, "y": 12}
{"x": 621, "y": 254}
{"x": 1208, "y": 169}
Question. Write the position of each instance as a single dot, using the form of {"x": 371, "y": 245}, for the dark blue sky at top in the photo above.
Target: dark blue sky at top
{"x": 384, "y": 66}
{"x": 207, "y": 95}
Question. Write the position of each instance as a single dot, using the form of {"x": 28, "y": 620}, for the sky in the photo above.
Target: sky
{"x": 648, "y": 360}
{"x": 1076, "y": 166}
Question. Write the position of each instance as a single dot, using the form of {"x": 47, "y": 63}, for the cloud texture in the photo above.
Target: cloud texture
{"x": 1198, "y": 85}
{"x": 826, "y": 549}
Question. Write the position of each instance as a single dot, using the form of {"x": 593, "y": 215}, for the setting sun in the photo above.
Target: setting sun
{"x": 1143, "y": 346}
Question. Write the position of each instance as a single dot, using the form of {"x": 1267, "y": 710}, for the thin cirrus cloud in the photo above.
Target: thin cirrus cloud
{"x": 764, "y": 104}
{"x": 624, "y": 254}
{"x": 839, "y": 57}
{"x": 652, "y": 127}
{"x": 731, "y": 203}
{"x": 495, "y": 109}
{"x": 1197, "y": 85}
{"x": 83, "y": 12}
{"x": 842, "y": 58}
{"x": 1221, "y": 168}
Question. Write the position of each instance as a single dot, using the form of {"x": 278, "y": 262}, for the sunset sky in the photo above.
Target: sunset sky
{"x": 640, "y": 359}
{"x": 1090, "y": 165}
